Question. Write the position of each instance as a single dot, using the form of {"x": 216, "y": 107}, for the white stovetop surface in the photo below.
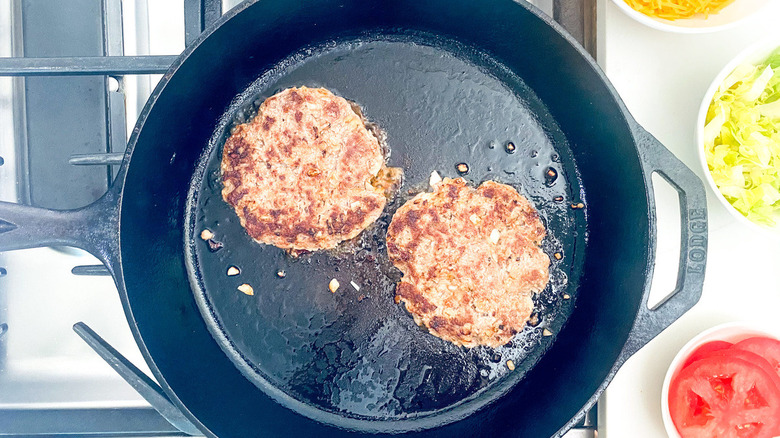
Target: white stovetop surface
{"x": 662, "y": 77}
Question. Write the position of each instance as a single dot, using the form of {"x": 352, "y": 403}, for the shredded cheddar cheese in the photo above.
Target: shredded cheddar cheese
{"x": 676, "y": 9}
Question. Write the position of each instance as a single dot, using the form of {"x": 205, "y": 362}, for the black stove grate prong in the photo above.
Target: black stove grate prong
{"x": 86, "y": 65}
{"x": 90, "y": 270}
{"x": 97, "y": 159}
{"x": 198, "y": 15}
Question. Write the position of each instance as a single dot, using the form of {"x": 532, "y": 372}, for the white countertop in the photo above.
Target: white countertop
{"x": 662, "y": 78}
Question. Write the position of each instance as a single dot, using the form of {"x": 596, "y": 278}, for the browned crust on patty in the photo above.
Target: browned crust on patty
{"x": 305, "y": 174}
{"x": 471, "y": 261}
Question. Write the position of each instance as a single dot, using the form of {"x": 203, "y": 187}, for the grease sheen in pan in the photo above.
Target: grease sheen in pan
{"x": 355, "y": 353}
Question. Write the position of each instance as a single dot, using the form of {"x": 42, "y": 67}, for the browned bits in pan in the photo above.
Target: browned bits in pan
{"x": 208, "y": 236}
{"x": 550, "y": 176}
{"x": 558, "y": 256}
{"x": 462, "y": 168}
{"x": 298, "y": 252}
{"x": 510, "y": 364}
{"x": 578, "y": 206}
{"x": 546, "y": 332}
{"x": 246, "y": 289}
{"x": 333, "y": 285}
{"x": 534, "y": 320}
{"x": 281, "y": 274}
{"x": 558, "y": 199}
{"x": 566, "y": 296}
{"x": 397, "y": 299}
{"x": 214, "y": 246}
{"x": 510, "y": 148}
{"x": 233, "y": 271}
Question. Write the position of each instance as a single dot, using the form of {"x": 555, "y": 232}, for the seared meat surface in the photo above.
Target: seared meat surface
{"x": 471, "y": 261}
{"x": 306, "y": 173}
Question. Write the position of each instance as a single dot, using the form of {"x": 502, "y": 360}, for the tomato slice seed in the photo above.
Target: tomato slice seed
{"x": 722, "y": 386}
{"x": 698, "y": 408}
{"x": 754, "y": 399}
{"x": 749, "y": 430}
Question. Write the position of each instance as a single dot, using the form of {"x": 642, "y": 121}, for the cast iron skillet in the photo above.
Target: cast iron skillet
{"x": 449, "y": 81}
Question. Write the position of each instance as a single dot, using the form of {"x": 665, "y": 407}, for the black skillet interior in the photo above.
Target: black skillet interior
{"x": 355, "y": 352}
{"x": 591, "y": 123}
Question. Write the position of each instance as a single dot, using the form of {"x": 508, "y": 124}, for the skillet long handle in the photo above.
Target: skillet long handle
{"x": 145, "y": 386}
{"x": 693, "y": 246}
{"x": 94, "y": 228}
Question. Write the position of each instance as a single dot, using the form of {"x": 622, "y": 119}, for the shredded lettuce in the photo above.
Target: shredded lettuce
{"x": 742, "y": 139}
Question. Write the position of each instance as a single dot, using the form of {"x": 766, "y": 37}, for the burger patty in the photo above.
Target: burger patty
{"x": 306, "y": 173}
{"x": 471, "y": 261}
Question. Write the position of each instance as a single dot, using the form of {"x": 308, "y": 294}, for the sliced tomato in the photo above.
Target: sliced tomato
{"x": 749, "y": 357}
{"x": 724, "y": 396}
{"x": 767, "y": 348}
{"x": 705, "y": 349}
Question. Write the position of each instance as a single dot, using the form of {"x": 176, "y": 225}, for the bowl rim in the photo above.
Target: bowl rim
{"x": 731, "y": 331}
{"x": 669, "y": 26}
{"x": 753, "y": 53}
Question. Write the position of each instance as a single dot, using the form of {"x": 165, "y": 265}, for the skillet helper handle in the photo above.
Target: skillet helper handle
{"x": 693, "y": 246}
{"x": 94, "y": 228}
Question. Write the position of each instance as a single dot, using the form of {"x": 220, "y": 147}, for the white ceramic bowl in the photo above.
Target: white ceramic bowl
{"x": 732, "y": 332}
{"x": 730, "y": 16}
{"x": 756, "y": 53}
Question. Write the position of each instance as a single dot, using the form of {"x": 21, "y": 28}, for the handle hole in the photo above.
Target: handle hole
{"x": 667, "y": 249}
